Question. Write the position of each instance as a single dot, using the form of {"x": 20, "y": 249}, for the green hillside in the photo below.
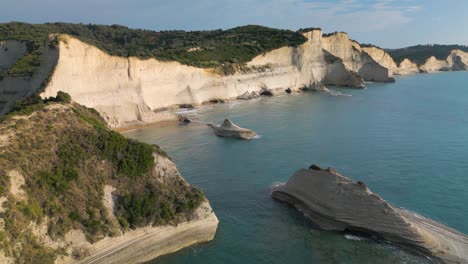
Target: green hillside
{"x": 66, "y": 155}
{"x": 214, "y": 48}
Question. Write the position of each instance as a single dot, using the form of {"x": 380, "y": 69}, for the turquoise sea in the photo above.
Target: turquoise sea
{"x": 408, "y": 141}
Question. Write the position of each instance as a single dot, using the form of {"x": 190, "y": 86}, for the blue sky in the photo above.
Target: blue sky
{"x": 387, "y": 23}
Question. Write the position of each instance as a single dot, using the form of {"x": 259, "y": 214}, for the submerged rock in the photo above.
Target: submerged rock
{"x": 229, "y": 129}
{"x": 335, "y": 202}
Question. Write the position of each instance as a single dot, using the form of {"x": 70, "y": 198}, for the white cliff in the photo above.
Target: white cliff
{"x": 126, "y": 90}
{"x": 354, "y": 58}
{"x": 407, "y": 67}
{"x": 383, "y": 58}
{"x": 433, "y": 65}
{"x": 458, "y": 60}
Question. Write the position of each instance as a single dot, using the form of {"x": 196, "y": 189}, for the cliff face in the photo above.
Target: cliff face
{"x": 132, "y": 91}
{"x": 456, "y": 61}
{"x": 71, "y": 190}
{"x": 126, "y": 90}
{"x": 383, "y": 58}
{"x": 334, "y": 202}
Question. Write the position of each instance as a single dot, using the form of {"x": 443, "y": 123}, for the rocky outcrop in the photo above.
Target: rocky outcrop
{"x": 433, "y": 65}
{"x": 382, "y": 58}
{"x": 458, "y": 60}
{"x": 335, "y": 202}
{"x": 407, "y": 67}
{"x": 229, "y": 129}
{"x": 354, "y": 57}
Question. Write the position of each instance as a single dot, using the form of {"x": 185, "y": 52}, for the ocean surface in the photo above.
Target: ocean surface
{"x": 408, "y": 141}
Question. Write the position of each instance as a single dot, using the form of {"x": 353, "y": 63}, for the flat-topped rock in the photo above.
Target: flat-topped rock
{"x": 335, "y": 202}
{"x": 229, "y": 129}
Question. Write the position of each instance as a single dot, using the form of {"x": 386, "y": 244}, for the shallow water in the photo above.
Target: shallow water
{"x": 407, "y": 141}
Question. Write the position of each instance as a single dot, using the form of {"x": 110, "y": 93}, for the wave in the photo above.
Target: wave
{"x": 354, "y": 237}
{"x": 334, "y": 92}
{"x": 186, "y": 111}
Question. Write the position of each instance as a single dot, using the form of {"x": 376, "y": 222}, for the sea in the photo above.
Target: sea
{"x": 408, "y": 141}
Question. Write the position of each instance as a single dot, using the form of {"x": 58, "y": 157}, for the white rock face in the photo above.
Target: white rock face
{"x": 129, "y": 90}
{"x": 433, "y": 65}
{"x": 126, "y": 90}
{"x": 458, "y": 60}
{"x": 407, "y": 67}
{"x": 354, "y": 58}
{"x": 383, "y": 58}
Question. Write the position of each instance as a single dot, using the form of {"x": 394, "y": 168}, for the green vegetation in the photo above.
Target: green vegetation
{"x": 420, "y": 53}
{"x": 304, "y": 30}
{"x": 67, "y": 155}
{"x": 133, "y": 158}
{"x": 368, "y": 45}
{"x": 205, "y": 49}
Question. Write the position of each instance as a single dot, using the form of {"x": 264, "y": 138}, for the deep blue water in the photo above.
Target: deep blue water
{"x": 407, "y": 141}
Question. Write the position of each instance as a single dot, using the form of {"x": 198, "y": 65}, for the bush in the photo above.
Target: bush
{"x": 133, "y": 158}
{"x": 61, "y": 97}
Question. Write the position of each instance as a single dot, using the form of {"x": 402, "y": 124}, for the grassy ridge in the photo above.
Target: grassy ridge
{"x": 214, "y": 48}
{"x": 66, "y": 154}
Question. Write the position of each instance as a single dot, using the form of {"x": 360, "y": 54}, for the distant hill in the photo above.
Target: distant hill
{"x": 420, "y": 53}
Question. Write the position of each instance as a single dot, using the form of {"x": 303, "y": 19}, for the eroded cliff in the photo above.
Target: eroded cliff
{"x": 126, "y": 90}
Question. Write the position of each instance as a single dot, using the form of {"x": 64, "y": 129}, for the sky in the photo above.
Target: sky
{"x": 386, "y": 23}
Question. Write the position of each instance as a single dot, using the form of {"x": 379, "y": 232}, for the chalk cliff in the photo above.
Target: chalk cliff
{"x": 383, "y": 58}
{"x": 129, "y": 91}
{"x": 456, "y": 61}
{"x": 335, "y": 202}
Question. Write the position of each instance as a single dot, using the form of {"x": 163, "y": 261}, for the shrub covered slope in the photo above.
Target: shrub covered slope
{"x": 67, "y": 155}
